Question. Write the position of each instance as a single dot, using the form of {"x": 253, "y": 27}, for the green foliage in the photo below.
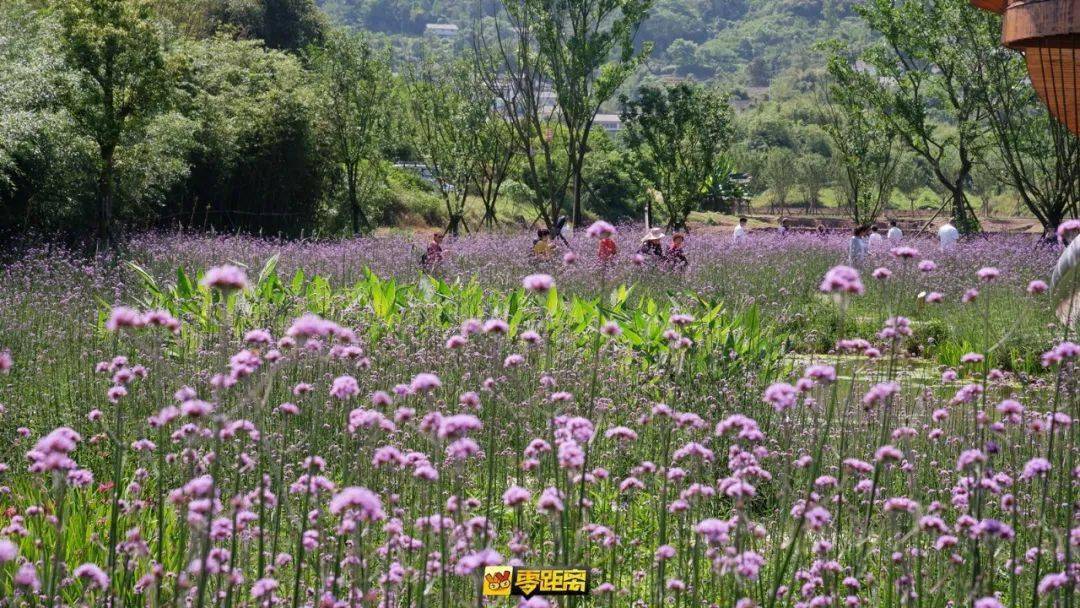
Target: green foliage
{"x": 678, "y": 136}
{"x": 121, "y": 81}
{"x": 450, "y": 110}
{"x": 922, "y": 82}
{"x": 867, "y": 150}
{"x": 354, "y": 87}
{"x": 257, "y": 163}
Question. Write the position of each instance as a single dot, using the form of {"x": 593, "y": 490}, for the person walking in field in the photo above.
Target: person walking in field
{"x": 875, "y": 239}
{"x": 857, "y": 246}
{"x": 895, "y": 235}
{"x": 740, "y": 234}
{"x": 947, "y": 236}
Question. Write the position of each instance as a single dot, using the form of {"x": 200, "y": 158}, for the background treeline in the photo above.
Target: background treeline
{"x": 281, "y": 116}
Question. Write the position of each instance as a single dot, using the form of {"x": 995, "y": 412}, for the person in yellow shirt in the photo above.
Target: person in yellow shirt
{"x": 543, "y": 247}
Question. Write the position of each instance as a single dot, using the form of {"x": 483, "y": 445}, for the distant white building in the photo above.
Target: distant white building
{"x": 442, "y": 30}
{"x": 609, "y": 122}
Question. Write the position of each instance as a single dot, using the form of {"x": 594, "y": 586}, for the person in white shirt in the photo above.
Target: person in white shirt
{"x": 875, "y": 240}
{"x": 740, "y": 231}
{"x": 947, "y": 235}
{"x": 895, "y": 235}
{"x": 857, "y": 246}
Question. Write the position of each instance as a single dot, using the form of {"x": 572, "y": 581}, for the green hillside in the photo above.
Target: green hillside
{"x": 741, "y": 42}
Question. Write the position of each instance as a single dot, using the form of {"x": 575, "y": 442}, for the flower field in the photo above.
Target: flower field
{"x": 230, "y": 421}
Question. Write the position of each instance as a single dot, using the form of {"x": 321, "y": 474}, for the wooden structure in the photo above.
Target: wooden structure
{"x": 1047, "y": 32}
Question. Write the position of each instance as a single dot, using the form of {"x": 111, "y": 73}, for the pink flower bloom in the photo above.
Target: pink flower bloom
{"x": 195, "y": 408}
{"x": 611, "y": 329}
{"x": 716, "y": 531}
{"x": 969, "y": 458}
{"x": 569, "y": 258}
{"x": 886, "y": 453}
{"x": 881, "y": 273}
{"x": 477, "y": 561}
{"x": 1052, "y": 582}
{"x": 621, "y": 433}
{"x": 361, "y": 501}
{"x": 8, "y": 551}
{"x": 516, "y": 495}
{"x": 600, "y": 230}
{"x": 1036, "y": 467}
{"x": 258, "y": 336}
{"x": 969, "y": 295}
{"x": 781, "y": 396}
{"x": 821, "y": 373}
{"x": 123, "y": 317}
{"x": 462, "y": 449}
{"x": 5, "y": 361}
{"x": 94, "y": 576}
{"x": 424, "y": 383}
{"x": 934, "y": 298}
{"x": 538, "y": 283}
{"x": 880, "y": 392}
{"x": 225, "y": 278}
{"x": 264, "y": 587}
{"x": 927, "y": 266}
{"x": 26, "y": 577}
{"x": 51, "y": 451}
{"x": 458, "y": 425}
{"x": 904, "y": 253}
{"x": 988, "y": 273}
{"x": 1037, "y": 287}
{"x": 842, "y": 279}
{"x": 344, "y": 387}
{"x": 988, "y": 602}
{"x": 550, "y": 502}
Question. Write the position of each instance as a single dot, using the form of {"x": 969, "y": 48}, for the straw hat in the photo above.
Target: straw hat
{"x": 653, "y": 234}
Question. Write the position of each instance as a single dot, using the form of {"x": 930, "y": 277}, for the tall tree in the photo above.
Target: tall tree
{"x": 780, "y": 175}
{"x": 867, "y": 151}
{"x": 1040, "y": 157}
{"x": 678, "y": 136}
{"x": 922, "y": 80}
{"x": 496, "y": 160}
{"x": 449, "y": 111}
{"x": 355, "y": 80}
{"x": 122, "y": 81}
{"x": 505, "y": 53}
{"x": 588, "y": 46}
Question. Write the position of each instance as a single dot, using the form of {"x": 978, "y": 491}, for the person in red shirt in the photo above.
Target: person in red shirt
{"x": 434, "y": 254}
{"x": 608, "y": 249}
{"x": 676, "y": 255}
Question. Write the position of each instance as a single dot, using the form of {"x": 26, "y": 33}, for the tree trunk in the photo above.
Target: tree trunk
{"x": 577, "y": 197}
{"x": 354, "y": 203}
{"x": 106, "y": 181}
{"x": 963, "y": 216}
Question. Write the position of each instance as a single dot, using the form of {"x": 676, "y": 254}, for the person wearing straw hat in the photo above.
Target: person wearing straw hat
{"x": 651, "y": 243}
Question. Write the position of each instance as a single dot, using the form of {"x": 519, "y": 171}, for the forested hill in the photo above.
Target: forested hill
{"x": 742, "y": 42}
